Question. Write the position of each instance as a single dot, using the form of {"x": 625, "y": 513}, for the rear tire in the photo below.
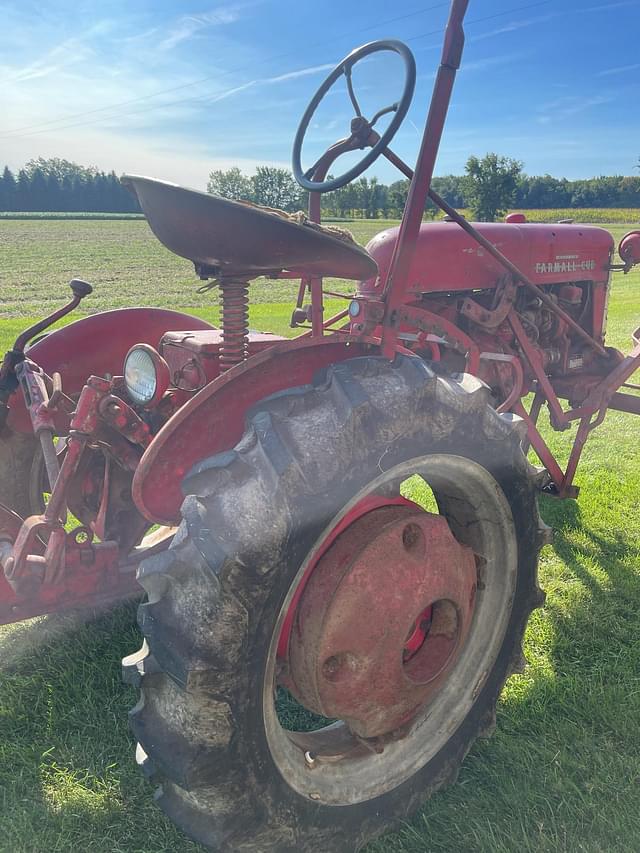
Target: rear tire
{"x": 216, "y": 598}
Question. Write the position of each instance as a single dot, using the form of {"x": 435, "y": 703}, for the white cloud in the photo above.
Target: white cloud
{"x": 168, "y": 159}
{"x": 188, "y": 25}
{"x": 571, "y": 105}
{"x": 511, "y": 27}
{"x": 621, "y": 69}
{"x": 67, "y": 53}
{"x": 606, "y": 7}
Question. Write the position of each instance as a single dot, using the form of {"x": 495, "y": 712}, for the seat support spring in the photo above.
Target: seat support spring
{"x": 234, "y": 303}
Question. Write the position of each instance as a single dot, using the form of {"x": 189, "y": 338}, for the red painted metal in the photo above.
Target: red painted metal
{"x": 93, "y": 576}
{"x": 97, "y": 345}
{"x": 629, "y": 249}
{"x": 348, "y": 649}
{"x": 525, "y": 305}
{"x": 71, "y": 569}
{"x": 194, "y": 357}
{"x": 426, "y": 321}
{"x": 417, "y": 634}
{"x": 364, "y": 506}
{"x": 397, "y": 280}
{"x": 446, "y": 258}
{"x": 221, "y": 406}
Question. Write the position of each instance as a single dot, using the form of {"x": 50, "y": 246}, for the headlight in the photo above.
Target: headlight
{"x": 146, "y": 375}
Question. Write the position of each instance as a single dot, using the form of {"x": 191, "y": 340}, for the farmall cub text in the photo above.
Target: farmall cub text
{"x": 259, "y": 488}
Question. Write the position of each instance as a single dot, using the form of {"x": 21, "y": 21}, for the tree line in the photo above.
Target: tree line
{"x": 50, "y": 185}
{"x": 489, "y": 186}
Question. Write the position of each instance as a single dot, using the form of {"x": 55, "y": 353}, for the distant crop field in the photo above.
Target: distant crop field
{"x": 582, "y": 214}
{"x": 587, "y": 215}
{"x": 593, "y": 215}
{"x": 64, "y": 215}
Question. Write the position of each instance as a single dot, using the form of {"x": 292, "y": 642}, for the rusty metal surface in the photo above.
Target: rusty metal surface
{"x": 234, "y": 309}
{"x": 97, "y": 345}
{"x": 221, "y": 407}
{"x": 92, "y": 576}
{"x": 360, "y": 649}
{"x": 241, "y": 239}
{"x": 435, "y": 288}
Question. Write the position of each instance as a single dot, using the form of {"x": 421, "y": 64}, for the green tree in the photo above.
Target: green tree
{"x": 275, "y": 187}
{"x": 60, "y": 168}
{"x": 491, "y": 185}
{"x": 452, "y": 188}
{"x": 230, "y": 183}
{"x": 38, "y": 195}
{"x": 7, "y": 190}
{"x": 23, "y": 191}
{"x": 397, "y": 194}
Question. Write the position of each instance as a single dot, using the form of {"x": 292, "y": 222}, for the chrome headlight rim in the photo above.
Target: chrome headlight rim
{"x": 161, "y": 376}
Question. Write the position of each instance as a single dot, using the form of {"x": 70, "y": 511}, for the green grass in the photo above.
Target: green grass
{"x": 562, "y": 772}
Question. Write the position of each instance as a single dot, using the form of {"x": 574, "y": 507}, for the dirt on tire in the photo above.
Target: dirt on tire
{"x": 250, "y": 518}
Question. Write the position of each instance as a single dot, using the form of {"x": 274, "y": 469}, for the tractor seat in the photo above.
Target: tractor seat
{"x": 237, "y": 239}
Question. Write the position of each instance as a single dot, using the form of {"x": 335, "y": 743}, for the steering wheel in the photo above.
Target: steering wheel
{"x": 361, "y": 128}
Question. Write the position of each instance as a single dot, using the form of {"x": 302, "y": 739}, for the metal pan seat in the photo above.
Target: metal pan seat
{"x": 232, "y": 239}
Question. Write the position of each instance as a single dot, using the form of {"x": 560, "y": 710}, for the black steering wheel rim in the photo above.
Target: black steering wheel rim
{"x": 402, "y": 107}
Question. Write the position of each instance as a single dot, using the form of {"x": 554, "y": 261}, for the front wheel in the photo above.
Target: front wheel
{"x": 332, "y": 626}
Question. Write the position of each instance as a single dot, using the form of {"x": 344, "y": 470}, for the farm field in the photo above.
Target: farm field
{"x": 562, "y": 772}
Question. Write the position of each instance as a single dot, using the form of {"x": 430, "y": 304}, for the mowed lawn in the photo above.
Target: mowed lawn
{"x": 562, "y": 772}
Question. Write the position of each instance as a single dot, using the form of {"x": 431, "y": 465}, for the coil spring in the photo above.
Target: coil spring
{"x": 234, "y": 303}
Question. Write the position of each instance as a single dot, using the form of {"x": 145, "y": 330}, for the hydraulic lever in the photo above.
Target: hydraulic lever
{"x": 8, "y": 379}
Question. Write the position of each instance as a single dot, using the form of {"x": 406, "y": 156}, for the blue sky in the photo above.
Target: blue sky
{"x": 174, "y": 89}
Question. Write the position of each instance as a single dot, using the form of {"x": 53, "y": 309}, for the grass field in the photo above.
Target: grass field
{"x": 562, "y": 772}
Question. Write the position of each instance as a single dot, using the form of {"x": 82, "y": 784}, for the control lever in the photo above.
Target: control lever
{"x": 80, "y": 289}
{"x": 8, "y": 381}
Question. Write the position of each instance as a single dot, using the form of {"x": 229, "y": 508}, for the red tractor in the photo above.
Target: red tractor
{"x": 343, "y": 525}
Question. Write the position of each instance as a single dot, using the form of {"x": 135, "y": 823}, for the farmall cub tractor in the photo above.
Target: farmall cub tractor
{"x": 262, "y": 491}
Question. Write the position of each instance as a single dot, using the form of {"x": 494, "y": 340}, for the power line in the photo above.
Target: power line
{"x": 486, "y": 18}
{"x": 116, "y": 106}
{"x": 47, "y": 126}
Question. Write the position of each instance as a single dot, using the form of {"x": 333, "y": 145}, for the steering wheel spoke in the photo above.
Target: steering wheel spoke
{"x": 362, "y": 135}
{"x": 352, "y": 94}
{"x": 392, "y": 108}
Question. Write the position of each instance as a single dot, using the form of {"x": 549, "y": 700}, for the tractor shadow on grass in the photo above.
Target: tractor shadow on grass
{"x": 67, "y": 772}
{"x": 561, "y": 772}
{"x": 594, "y": 595}
{"x": 567, "y": 741}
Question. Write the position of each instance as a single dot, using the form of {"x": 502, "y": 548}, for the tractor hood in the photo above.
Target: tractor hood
{"x": 446, "y": 258}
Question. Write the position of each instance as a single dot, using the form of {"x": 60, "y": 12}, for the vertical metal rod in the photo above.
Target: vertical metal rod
{"x": 50, "y": 457}
{"x": 394, "y": 288}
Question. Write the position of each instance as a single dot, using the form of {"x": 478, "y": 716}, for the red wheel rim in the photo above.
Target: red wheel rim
{"x": 380, "y": 616}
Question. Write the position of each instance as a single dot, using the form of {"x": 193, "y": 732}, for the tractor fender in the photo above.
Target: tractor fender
{"x": 213, "y": 420}
{"x": 96, "y": 345}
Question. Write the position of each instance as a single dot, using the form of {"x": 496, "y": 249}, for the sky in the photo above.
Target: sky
{"x": 175, "y": 89}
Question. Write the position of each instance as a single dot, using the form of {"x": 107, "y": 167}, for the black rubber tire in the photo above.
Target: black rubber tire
{"x": 250, "y": 518}
{"x": 17, "y": 452}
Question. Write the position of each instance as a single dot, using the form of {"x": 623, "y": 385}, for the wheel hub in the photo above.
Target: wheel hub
{"x": 382, "y": 618}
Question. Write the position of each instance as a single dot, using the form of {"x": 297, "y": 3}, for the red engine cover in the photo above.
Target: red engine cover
{"x": 446, "y": 258}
